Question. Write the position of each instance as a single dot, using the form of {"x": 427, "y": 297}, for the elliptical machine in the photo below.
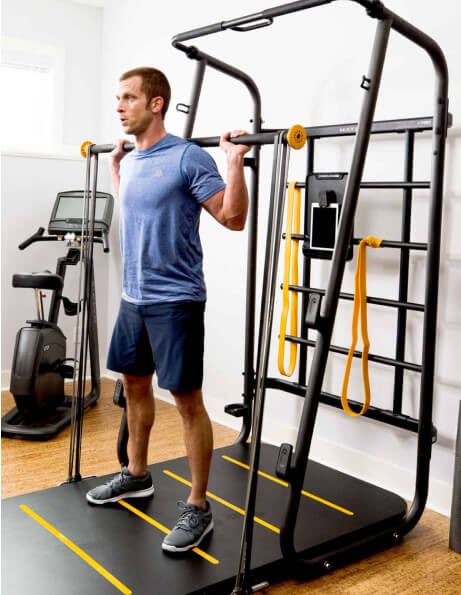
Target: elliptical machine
{"x": 40, "y": 366}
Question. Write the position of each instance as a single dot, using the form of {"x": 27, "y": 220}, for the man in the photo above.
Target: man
{"x": 163, "y": 185}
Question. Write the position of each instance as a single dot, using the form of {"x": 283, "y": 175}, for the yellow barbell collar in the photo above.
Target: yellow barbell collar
{"x": 84, "y": 148}
{"x": 296, "y": 137}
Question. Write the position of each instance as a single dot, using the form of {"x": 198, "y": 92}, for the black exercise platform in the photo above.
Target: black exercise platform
{"x": 117, "y": 548}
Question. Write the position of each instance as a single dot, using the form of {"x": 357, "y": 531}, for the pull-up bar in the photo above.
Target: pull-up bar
{"x": 266, "y": 17}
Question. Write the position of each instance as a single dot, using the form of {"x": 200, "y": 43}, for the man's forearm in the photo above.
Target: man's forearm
{"x": 115, "y": 171}
{"x": 235, "y": 200}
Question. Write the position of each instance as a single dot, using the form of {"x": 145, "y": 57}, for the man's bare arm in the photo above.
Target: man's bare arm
{"x": 230, "y": 206}
{"x": 115, "y": 157}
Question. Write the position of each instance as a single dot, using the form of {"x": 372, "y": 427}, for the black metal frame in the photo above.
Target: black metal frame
{"x": 86, "y": 314}
{"x": 311, "y": 389}
{"x": 387, "y": 20}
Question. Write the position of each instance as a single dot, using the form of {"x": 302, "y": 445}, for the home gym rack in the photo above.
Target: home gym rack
{"x": 301, "y": 523}
{"x": 323, "y": 321}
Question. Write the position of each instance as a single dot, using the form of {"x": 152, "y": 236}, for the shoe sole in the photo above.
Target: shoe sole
{"x": 173, "y": 548}
{"x": 137, "y": 494}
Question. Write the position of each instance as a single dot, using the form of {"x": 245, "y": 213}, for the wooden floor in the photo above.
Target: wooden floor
{"x": 421, "y": 564}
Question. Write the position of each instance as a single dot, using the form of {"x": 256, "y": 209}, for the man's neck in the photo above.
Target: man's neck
{"x": 150, "y": 137}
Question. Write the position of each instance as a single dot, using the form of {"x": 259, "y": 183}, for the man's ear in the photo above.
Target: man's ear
{"x": 156, "y": 104}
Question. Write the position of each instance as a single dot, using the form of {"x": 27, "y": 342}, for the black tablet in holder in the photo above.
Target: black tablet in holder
{"x": 324, "y": 198}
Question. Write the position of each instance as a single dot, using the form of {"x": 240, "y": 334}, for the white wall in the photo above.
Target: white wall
{"x": 30, "y": 182}
{"x": 308, "y": 67}
{"x": 74, "y": 30}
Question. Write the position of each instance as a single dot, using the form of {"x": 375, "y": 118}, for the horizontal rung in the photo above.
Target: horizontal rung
{"x": 370, "y": 300}
{"x": 379, "y": 359}
{"x": 384, "y": 243}
{"x": 383, "y": 415}
{"x": 395, "y": 185}
{"x": 388, "y": 185}
{"x": 390, "y": 244}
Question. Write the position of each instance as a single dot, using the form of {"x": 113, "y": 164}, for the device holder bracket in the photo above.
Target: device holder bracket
{"x": 324, "y": 200}
{"x": 314, "y": 303}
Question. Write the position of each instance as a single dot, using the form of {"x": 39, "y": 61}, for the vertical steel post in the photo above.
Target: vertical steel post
{"x": 86, "y": 311}
{"x": 325, "y": 330}
{"x": 78, "y": 353}
{"x": 250, "y": 309}
{"x": 404, "y": 270}
{"x": 195, "y": 96}
{"x": 306, "y": 272}
{"x": 93, "y": 340}
{"x": 278, "y": 192}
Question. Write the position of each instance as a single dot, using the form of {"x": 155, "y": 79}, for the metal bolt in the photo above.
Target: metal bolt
{"x": 327, "y": 565}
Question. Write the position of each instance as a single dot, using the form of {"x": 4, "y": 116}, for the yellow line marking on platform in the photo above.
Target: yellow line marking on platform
{"x": 164, "y": 529}
{"x": 102, "y": 571}
{"x": 285, "y": 484}
{"x": 224, "y": 502}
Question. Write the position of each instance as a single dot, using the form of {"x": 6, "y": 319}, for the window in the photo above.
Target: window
{"x": 27, "y": 107}
{"x": 31, "y": 99}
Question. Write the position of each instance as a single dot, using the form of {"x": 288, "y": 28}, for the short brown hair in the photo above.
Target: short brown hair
{"x": 154, "y": 84}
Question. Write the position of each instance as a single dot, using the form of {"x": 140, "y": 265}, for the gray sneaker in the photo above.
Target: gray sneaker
{"x": 192, "y": 526}
{"x": 123, "y": 485}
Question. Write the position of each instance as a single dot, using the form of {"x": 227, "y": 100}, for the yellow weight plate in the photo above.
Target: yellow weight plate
{"x": 84, "y": 147}
{"x": 296, "y": 137}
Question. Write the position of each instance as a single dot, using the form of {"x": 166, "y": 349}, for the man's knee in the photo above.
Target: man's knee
{"x": 189, "y": 404}
{"x": 137, "y": 386}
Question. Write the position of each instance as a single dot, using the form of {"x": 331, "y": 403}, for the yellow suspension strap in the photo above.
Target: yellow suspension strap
{"x": 293, "y": 226}
{"x": 360, "y": 308}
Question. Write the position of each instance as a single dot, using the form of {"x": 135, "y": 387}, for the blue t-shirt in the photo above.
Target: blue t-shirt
{"x": 161, "y": 189}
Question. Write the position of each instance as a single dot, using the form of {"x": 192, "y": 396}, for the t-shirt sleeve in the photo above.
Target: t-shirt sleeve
{"x": 200, "y": 173}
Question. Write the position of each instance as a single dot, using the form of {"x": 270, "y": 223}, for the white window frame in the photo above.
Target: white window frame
{"x": 24, "y": 53}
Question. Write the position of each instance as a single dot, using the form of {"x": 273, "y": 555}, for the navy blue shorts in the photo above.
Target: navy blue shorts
{"x": 165, "y": 338}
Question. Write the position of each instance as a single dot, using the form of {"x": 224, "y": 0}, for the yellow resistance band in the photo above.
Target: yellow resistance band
{"x": 360, "y": 307}
{"x": 293, "y": 212}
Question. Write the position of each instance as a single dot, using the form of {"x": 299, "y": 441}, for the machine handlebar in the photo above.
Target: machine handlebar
{"x": 39, "y": 237}
{"x": 36, "y": 237}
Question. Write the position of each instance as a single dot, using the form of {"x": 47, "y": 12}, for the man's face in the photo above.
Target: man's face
{"x": 135, "y": 116}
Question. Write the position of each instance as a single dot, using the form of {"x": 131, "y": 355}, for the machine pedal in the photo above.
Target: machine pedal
{"x": 283, "y": 461}
{"x": 236, "y": 409}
